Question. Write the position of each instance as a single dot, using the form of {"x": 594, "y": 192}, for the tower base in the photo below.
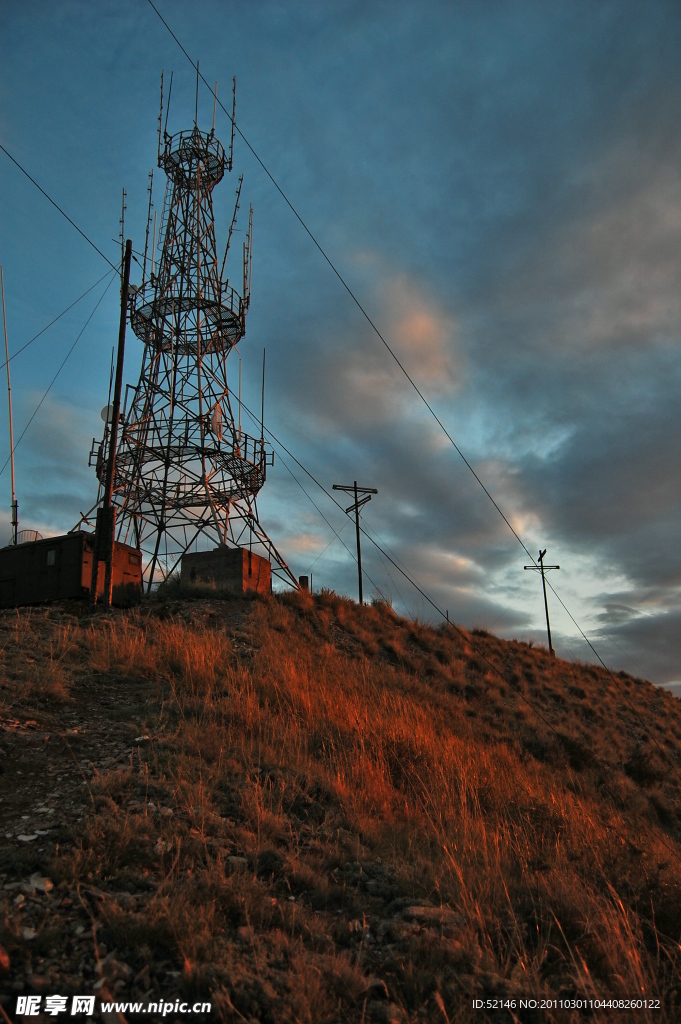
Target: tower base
{"x": 232, "y": 570}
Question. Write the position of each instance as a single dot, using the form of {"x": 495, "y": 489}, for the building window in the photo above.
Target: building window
{"x": 52, "y": 556}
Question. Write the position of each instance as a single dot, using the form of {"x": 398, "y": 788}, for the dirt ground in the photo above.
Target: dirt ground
{"x": 50, "y": 751}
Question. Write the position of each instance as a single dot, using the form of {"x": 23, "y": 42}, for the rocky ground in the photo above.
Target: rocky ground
{"x": 51, "y": 750}
{"x": 65, "y": 742}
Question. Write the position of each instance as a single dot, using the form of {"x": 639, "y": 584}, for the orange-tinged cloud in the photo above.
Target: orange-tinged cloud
{"x": 423, "y": 335}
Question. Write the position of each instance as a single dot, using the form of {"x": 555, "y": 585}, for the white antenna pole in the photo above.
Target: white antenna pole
{"x": 15, "y": 517}
{"x": 153, "y": 248}
{"x": 262, "y": 407}
{"x": 239, "y": 399}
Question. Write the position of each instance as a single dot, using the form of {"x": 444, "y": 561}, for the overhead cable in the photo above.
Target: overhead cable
{"x": 57, "y": 207}
{"x": 52, "y": 322}
{"x": 371, "y": 323}
{"x": 61, "y": 367}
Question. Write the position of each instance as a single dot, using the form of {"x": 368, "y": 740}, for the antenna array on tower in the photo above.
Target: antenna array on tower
{"x": 186, "y": 476}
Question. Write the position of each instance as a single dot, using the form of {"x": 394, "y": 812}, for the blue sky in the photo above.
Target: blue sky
{"x": 499, "y": 183}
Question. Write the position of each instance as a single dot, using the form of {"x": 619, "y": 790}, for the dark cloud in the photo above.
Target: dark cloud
{"x": 499, "y": 184}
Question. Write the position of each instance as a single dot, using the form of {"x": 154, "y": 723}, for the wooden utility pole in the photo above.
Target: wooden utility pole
{"x": 542, "y": 569}
{"x": 366, "y": 493}
{"x": 106, "y": 514}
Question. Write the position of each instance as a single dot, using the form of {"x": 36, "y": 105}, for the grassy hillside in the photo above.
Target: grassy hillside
{"x": 307, "y": 811}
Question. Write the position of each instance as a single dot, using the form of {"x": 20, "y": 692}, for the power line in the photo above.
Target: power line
{"x": 52, "y": 322}
{"x": 288, "y": 469}
{"x": 345, "y": 285}
{"x": 354, "y": 298}
{"x": 371, "y": 323}
{"x": 336, "y": 533}
{"x": 433, "y": 604}
{"x": 63, "y": 364}
{"x": 57, "y": 207}
{"x": 324, "y": 550}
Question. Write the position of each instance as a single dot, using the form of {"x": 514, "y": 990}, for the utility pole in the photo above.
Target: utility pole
{"x": 106, "y": 515}
{"x": 15, "y": 507}
{"x": 542, "y": 569}
{"x": 365, "y": 493}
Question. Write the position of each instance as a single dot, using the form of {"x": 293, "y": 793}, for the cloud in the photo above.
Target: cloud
{"x": 500, "y": 187}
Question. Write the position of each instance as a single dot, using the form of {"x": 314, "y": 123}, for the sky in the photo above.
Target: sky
{"x": 499, "y": 184}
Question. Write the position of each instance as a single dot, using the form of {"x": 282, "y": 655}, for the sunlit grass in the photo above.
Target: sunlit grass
{"x": 324, "y": 765}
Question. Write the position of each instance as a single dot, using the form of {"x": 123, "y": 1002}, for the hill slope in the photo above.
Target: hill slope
{"x": 302, "y": 810}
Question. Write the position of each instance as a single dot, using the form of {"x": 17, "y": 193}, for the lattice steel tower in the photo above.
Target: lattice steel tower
{"x": 186, "y": 475}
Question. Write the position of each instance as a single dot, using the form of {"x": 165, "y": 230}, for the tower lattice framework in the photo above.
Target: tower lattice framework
{"x": 186, "y": 475}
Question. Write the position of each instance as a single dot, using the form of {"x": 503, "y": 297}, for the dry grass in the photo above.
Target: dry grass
{"x": 322, "y": 768}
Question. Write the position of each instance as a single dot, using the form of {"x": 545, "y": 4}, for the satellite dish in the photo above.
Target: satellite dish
{"x": 107, "y": 414}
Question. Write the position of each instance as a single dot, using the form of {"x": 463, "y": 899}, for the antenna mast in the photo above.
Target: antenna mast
{"x": 165, "y": 126}
{"x": 185, "y": 475}
{"x": 196, "y": 101}
{"x": 146, "y": 237}
{"x": 231, "y": 226}
{"x": 262, "y": 402}
{"x": 160, "y": 120}
{"x": 231, "y": 141}
{"x": 122, "y": 223}
{"x": 15, "y": 507}
{"x": 248, "y": 254}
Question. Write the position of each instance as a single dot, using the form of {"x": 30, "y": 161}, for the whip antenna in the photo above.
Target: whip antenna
{"x": 15, "y": 507}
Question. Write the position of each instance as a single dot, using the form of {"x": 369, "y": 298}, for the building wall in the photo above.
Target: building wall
{"x": 56, "y": 568}
{"x": 234, "y": 570}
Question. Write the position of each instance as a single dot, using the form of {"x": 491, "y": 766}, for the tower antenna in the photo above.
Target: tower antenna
{"x": 262, "y": 402}
{"x": 165, "y": 127}
{"x": 146, "y": 237}
{"x": 231, "y": 226}
{"x": 215, "y": 103}
{"x": 248, "y": 246}
{"x": 182, "y": 478}
{"x": 122, "y": 232}
{"x": 15, "y": 507}
{"x": 233, "y": 119}
{"x": 160, "y": 120}
{"x": 153, "y": 251}
{"x": 239, "y": 399}
{"x": 196, "y": 101}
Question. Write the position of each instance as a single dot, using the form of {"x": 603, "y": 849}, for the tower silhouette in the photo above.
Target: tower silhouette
{"x": 186, "y": 474}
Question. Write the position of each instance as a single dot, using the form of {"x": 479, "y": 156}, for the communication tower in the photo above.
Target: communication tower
{"x": 186, "y": 475}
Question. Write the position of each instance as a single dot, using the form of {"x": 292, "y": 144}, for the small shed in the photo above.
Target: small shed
{"x": 233, "y": 570}
{"x": 55, "y": 568}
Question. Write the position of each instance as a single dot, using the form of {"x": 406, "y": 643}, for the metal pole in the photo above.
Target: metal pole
{"x": 359, "y": 549}
{"x": 104, "y": 535}
{"x": 15, "y": 507}
{"x": 546, "y": 603}
{"x": 262, "y": 401}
